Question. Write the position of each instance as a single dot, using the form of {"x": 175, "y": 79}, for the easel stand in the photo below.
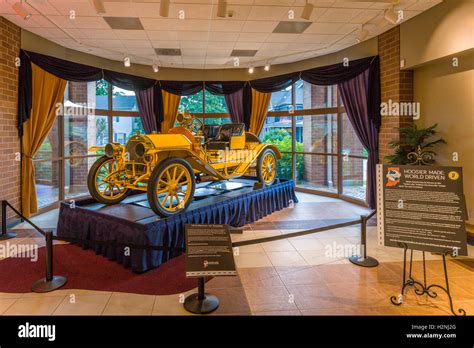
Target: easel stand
{"x": 421, "y": 289}
{"x": 201, "y": 303}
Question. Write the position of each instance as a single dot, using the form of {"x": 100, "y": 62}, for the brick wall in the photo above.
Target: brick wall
{"x": 396, "y": 85}
{"x": 9, "y": 142}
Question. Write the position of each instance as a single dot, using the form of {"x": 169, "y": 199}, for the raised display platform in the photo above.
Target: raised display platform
{"x": 233, "y": 202}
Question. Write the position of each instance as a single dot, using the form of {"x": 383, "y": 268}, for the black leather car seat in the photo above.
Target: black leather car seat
{"x": 222, "y": 139}
{"x": 210, "y": 131}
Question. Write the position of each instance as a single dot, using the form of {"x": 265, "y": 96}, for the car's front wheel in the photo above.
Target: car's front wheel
{"x": 104, "y": 183}
{"x": 171, "y": 187}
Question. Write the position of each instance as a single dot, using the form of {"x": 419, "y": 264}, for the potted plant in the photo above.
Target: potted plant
{"x": 414, "y": 147}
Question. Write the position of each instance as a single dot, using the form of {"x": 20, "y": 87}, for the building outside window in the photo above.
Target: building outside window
{"x": 320, "y": 149}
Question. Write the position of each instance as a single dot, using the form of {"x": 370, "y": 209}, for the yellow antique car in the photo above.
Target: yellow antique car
{"x": 167, "y": 166}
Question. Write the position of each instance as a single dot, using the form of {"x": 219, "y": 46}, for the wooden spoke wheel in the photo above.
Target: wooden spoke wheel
{"x": 104, "y": 183}
{"x": 171, "y": 187}
{"x": 267, "y": 167}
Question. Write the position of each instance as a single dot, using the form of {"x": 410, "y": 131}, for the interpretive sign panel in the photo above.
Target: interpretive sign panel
{"x": 209, "y": 251}
{"x": 422, "y": 207}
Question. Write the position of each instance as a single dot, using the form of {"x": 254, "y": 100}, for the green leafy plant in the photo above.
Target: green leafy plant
{"x": 282, "y": 140}
{"x": 412, "y": 139}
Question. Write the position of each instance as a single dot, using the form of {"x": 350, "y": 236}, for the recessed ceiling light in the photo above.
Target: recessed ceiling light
{"x": 99, "y": 6}
{"x": 291, "y": 27}
{"x": 267, "y": 67}
{"x": 222, "y": 8}
{"x": 21, "y": 10}
{"x": 164, "y": 8}
{"x": 251, "y": 70}
{"x": 168, "y": 51}
{"x": 243, "y": 53}
{"x": 156, "y": 68}
{"x": 124, "y": 23}
{"x": 307, "y": 10}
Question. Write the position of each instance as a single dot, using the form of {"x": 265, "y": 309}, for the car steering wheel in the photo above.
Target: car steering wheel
{"x": 191, "y": 123}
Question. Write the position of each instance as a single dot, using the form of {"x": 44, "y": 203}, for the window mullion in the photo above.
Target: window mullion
{"x": 339, "y": 147}
{"x": 109, "y": 114}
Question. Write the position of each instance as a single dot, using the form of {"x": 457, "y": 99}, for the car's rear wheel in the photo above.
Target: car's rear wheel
{"x": 171, "y": 187}
{"x": 267, "y": 167}
{"x": 104, "y": 183}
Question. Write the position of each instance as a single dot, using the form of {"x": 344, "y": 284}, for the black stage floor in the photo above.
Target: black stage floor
{"x": 137, "y": 209}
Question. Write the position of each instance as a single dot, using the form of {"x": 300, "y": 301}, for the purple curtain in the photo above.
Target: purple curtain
{"x": 235, "y": 105}
{"x": 355, "y": 95}
{"x": 146, "y": 106}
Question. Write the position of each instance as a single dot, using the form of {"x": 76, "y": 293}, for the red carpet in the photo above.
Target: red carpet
{"x": 86, "y": 270}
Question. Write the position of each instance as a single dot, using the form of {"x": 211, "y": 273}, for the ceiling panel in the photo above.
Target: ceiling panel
{"x": 247, "y": 45}
{"x": 162, "y": 35}
{"x": 166, "y": 44}
{"x": 204, "y": 39}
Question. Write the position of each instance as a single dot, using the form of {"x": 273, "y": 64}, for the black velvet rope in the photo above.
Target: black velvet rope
{"x": 165, "y": 248}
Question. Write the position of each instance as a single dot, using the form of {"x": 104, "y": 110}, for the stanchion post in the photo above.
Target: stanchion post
{"x": 363, "y": 260}
{"x": 201, "y": 294}
{"x": 5, "y": 235}
{"x": 200, "y": 302}
{"x": 50, "y": 282}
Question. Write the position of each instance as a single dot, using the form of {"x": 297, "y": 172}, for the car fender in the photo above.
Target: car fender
{"x": 193, "y": 159}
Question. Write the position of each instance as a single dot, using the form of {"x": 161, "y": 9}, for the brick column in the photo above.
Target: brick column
{"x": 396, "y": 85}
{"x": 76, "y": 172}
{"x": 9, "y": 141}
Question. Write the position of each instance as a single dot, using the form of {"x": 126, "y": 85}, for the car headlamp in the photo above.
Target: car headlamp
{"x": 113, "y": 150}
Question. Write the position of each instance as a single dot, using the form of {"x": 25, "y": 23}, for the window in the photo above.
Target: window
{"x": 47, "y": 168}
{"x": 214, "y": 103}
{"x": 217, "y": 120}
{"x": 92, "y": 114}
{"x": 354, "y": 162}
{"x": 319, "y": 133}
{"x": 102, "y": 94}
{"x": 210, "y": 107}
{"x": 192, "y": 103}
{"x": 123, "y": 100}
{"x": 320, "y": 149}
{"x": 82, "y": 132}
{"x": 125, "y": 127}
{"x": 317, "y": 172}
{"x": 315, "y": 97}
{"x": 281, "y": 100}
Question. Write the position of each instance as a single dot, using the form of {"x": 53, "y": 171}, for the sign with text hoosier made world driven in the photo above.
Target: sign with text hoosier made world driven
{"x": 422, "y": 208}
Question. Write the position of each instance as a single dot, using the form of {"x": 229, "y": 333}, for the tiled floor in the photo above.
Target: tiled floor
{"x": 305, "y": 275}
